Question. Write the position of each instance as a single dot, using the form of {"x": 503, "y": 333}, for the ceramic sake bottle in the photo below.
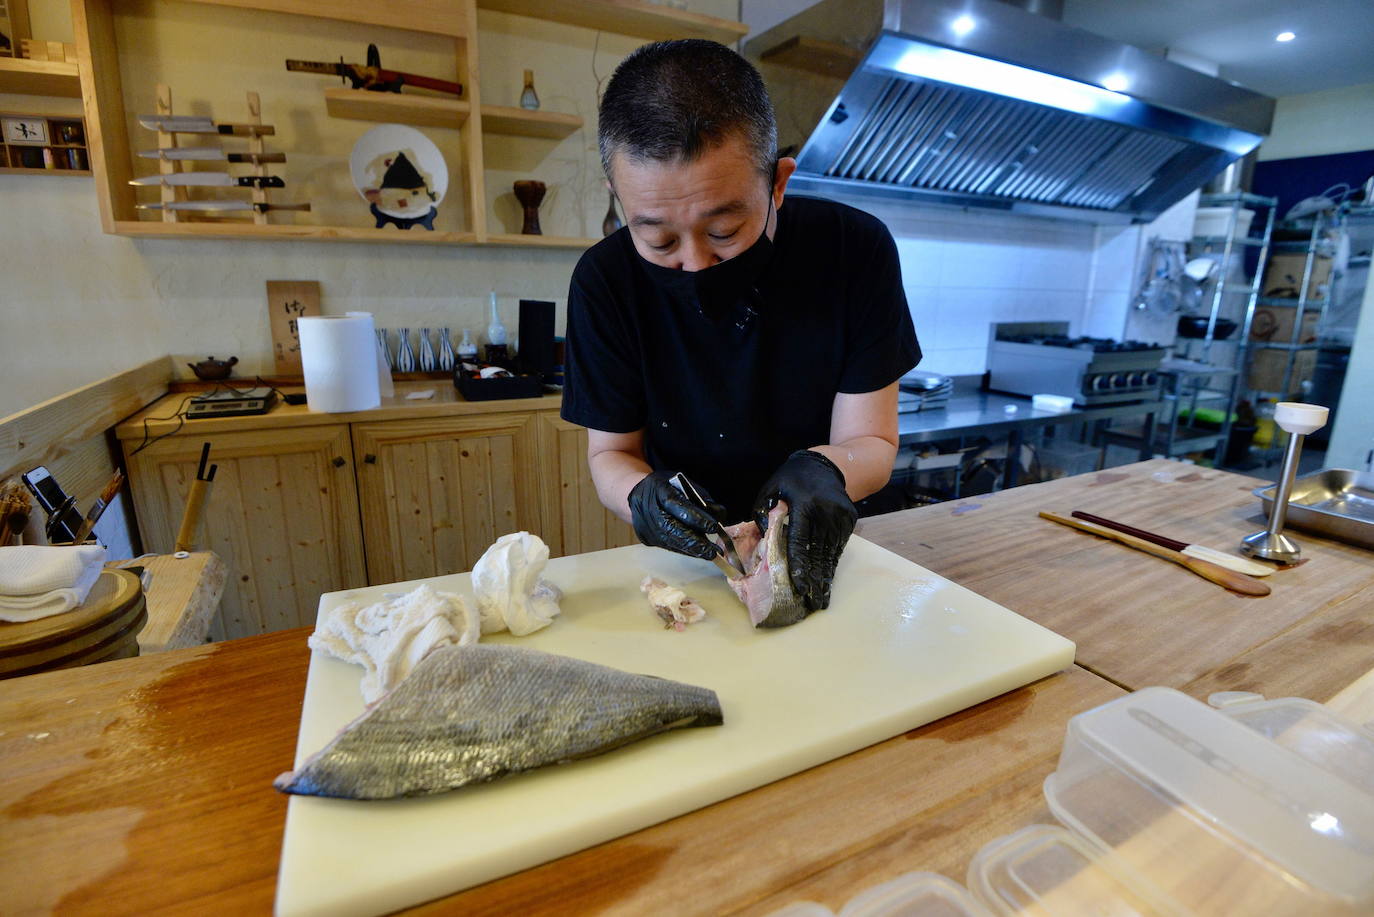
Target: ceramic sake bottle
{"x": 467, "y": 351}
{"x": 384, "y": 348}
{"x": 447, "y": 360}
{"x": 405, "y": 356}
{"x": 496, "y": 335}
{"x": 427, "y": 359}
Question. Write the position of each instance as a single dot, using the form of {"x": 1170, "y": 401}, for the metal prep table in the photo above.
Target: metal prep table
{"x": 972, "y": 412}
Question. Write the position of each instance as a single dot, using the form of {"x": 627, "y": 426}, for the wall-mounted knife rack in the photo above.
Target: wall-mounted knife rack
{"x": 172, "y": 194}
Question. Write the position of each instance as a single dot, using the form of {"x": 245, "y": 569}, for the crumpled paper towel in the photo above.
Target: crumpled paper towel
{"x": 510, "y": 594}
{"x": 388, "y": 639}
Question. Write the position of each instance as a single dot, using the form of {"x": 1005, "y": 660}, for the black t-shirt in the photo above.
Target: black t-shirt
{"x": 727, "y": 398}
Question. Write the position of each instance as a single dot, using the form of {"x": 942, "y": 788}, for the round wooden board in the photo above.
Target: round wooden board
{"x": 111, "y": 616}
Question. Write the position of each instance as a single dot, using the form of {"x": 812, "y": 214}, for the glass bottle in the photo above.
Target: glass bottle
{"x": 529, "y": 98}
{"x": 405, "y": 356}
{"x": 446, "y": 358}
{"x": 612, "y": 222}
{"x": 427, "y": 360}
{"x": 496, "y": 336}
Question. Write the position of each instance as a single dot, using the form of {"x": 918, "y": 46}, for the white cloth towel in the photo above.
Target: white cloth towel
{"x": 510, "y": 594}
{"x": 37, "y": 581}
{"x": 388, "y": 639}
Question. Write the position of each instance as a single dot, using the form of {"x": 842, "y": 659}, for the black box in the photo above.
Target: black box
{"x": 497, "y": 387}
{"x": 536, "y": 336}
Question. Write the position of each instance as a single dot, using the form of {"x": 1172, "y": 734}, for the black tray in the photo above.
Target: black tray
{"x": 498, "y": 387}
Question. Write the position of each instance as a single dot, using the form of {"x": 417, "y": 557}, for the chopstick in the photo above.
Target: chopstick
{"x": 15, "y": 506}
{"x": 195, "y": 501}
{"x": 1236, "y": 582}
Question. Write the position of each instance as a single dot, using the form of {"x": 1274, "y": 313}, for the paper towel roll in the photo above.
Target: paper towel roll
{"x": 339, "y": 360}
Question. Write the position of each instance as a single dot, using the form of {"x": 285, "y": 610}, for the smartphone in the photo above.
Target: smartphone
{"x": 52, "y": 497}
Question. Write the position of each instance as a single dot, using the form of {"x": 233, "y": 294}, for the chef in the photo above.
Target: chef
{"x": 753, "y": 345}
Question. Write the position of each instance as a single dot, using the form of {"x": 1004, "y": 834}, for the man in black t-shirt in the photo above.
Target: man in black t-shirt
{"x": 753, "y": 346}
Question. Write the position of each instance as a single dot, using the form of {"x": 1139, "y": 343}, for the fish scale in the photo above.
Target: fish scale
{"x": 468, "y": 714}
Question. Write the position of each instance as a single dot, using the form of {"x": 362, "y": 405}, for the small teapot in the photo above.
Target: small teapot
{"x": 212, "y": 370}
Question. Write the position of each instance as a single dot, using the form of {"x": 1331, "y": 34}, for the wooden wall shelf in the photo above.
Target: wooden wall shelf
{"x": 429, "y": 111}
{"x": 9, "y": 171}
{"x": 626, "y": 17}
{"x": 39, "y": 78}
{"x": 521, "y": 122}
{"x": 113, "y": 166}
{"x": 391, "y": 107}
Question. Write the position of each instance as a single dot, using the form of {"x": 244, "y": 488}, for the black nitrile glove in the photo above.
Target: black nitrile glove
{"x": 664, "y": 518}
{"x": 821, "y": 518}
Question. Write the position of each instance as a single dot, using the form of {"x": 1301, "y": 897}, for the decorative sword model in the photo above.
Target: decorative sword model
{"x": 372, "y": 76}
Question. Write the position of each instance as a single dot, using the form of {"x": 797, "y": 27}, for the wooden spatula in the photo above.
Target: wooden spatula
{"x": 1236, "y": 582}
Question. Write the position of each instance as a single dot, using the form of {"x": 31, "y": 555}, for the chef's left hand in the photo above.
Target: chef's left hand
{"x": 821, "y": 518}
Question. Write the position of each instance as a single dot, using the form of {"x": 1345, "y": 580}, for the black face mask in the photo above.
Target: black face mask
{"x": 728, "y": 290}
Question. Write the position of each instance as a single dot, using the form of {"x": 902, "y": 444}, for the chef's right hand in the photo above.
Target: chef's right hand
{"x": 664, "y": 518}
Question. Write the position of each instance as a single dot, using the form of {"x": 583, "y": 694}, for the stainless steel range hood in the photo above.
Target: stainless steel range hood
{"x": 978, "y": 103}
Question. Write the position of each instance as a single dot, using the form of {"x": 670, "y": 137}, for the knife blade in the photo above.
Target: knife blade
{"x": 211, "y": 178}
{"x": 210, "y": 154}
{"x": 189, "y": 124}
{"x": 222, "y": 205}
{"x": 729, "y": 562}
{"x": 1201, "y": 552}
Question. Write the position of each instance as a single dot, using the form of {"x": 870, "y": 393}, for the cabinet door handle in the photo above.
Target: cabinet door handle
{"x": 339, "y": 461}
{"x": 370, "y": 459}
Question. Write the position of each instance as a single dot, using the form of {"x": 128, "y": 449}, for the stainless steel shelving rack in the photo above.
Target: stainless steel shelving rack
{"x": 1199, "y": 378}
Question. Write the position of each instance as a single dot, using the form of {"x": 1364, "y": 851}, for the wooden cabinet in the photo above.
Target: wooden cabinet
{"x": 282, "y": 513}
{"x": 306, "y": 503}
{"x": 436, "y": 492}
{"x": 574, "y": 519}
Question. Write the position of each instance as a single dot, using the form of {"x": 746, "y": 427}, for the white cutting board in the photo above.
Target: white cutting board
{"x": 898, "y": 648}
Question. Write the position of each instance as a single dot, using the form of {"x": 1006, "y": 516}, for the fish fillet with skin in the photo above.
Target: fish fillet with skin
{"x": 467, "y": 714}
{"x": 766, "y": 588}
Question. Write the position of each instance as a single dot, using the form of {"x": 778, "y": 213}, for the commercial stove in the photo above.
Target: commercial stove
{"x": 1037, "y": 358}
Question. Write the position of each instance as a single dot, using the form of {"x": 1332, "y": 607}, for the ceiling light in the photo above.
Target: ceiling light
{"x": 963, "y": 25}
{"x": 1116, "y": 82}
{"x": 1285, "y": 36}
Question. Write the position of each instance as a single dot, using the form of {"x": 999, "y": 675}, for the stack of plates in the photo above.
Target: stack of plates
{"x": 923, "y": 391}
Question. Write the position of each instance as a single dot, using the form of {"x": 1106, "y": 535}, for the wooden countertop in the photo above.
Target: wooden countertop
{"x": 160, "y": 418}
{"x": 144, "y": 784}
{"x": 1141, "y": 621}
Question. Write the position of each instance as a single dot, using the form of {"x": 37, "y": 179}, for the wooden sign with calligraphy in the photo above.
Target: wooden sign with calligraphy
{"x": 288, "y": 300}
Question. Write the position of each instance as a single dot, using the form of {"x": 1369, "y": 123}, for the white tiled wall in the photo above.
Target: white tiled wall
{"x": 964, "y": 270}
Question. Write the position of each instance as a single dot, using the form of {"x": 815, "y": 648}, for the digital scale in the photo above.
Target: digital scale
{"x": 231, "y": 403}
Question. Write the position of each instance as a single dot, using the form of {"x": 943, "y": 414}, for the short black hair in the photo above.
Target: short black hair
{"x": 672, "y": 100}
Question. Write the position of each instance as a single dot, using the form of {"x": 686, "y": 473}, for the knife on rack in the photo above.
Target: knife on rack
{"x": 210, "y": 154}
{"x": 190, "y": 124}
{"x": 1202, "y": 552}
{"x": 222, "y": 205}
{"x": 215, "y": 179}
{"x": 1230, "y": 579}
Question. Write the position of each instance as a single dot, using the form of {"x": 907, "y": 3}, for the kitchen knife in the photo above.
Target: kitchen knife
{"x": 1230, "y": 579}
{"x": 222, "y": 205}
{"x": 729, "y": 562}
{"x": 187, "y": 124}
{"x": 211, "y": 178}
{"x": 210, "y": 154}
{"x": 1202, "y": 552}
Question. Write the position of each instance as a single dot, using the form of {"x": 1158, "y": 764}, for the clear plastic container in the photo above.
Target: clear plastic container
{"x": 1045, "y": 871}
{"x": 1337, "y": 746}
{"x": 916, "y": 894}
{"x": 1221, "y": 819}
